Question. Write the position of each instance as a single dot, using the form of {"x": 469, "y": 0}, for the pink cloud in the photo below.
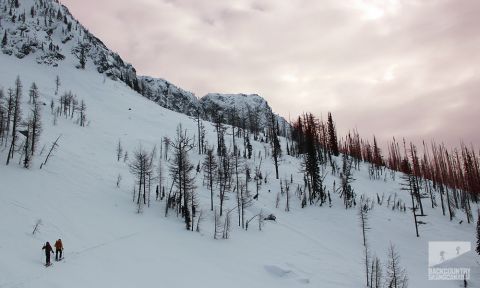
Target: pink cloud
{"x": 391, "y": 67}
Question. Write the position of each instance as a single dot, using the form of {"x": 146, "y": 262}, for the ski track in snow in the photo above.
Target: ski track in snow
{"x": 71, "y": 257}
{"x": 76, "y": 253}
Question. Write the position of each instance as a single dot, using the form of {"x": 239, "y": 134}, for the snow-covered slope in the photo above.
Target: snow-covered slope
{"x": 107, "y": 244}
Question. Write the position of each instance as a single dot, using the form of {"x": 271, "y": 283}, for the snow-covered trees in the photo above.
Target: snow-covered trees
{"x": 346, "y": 180}
{"x": 3, "y": 116}
{"x": 50, "y": 151}
{"x": 180, "y": 172}
{"x": 210, "y": 169}
{"x": 310, "y": 149}
{"x": 478, "y": 235}
{"x": 160, "y": 176}
{"x": 224, "y": 178}
{"x": 17, "y": 95}
{"x": 220, "y": 128}
{"x": 238, "y": 168}
{"x": 35, "y": 123}
{"x": 258, "y": 178}
{"x": 332, "y": 136}
{"x": 286, "y": 190}
{"x": 363, "y": 217}
{"x": 57, "y": 84}
{"x": 218, "y": 225}
{"x": 411, "y": 185}
{"x": 141, "y": 167}
{"x": 201, "y": 134}
{"x": 33, "y": 93}
{"x": 10, "y": 105}
{"x": 5, "y": 39}
{"x": 247, "y": 147}
{"x": 80, "y": 51}
{"x": 119, "y": 150}
{"x": 396, "y": 276}
{"x": 69, "y": 106}
{"x": 275, "y": 143}
{"x": 376, "y": 273}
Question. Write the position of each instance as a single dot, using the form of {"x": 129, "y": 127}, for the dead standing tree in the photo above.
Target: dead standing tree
{"x": 210, "y": 168}
{"x": 180, "y": 170}
{"x": 52, "y": 148}
{"x": 363, "y": 217}
{"x": 17, "y": 114}
{"x": 141, "y": 167}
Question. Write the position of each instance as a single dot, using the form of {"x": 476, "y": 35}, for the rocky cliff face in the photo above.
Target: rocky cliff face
{"x": 170, "y": 96}
{"x": 46, "y": 31}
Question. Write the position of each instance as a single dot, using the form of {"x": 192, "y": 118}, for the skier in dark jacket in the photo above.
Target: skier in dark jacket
{"x": 48, "y": 249}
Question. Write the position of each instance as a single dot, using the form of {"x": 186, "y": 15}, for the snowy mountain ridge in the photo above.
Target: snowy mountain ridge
{"x": 46, "y": 30}
{"x": 169, "y": 96}
{"x": 243, "y": 104}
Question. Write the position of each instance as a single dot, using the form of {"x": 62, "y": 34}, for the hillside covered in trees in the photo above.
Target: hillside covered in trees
{"x": 226, "y": 192}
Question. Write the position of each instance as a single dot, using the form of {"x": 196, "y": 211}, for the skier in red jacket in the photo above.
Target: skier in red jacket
{"x": 58, "y": 249}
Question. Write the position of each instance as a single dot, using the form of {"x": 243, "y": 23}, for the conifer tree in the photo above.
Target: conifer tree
{"x": 224, "y": 178}
{"x": 5, "y": 39}
{"x": 80, "y": 51}
{"x": 3, "y": 114}
{"x": 220, "y": 129}
{"x": 478, "y": 235}
{"x": 275, "y": 143}
{"x": 16, "y": 118}
{"x": 83, "y": 115}
{"x": 9, "y": 107}
{"x": 346, "y": 180}
{"x": 35, "y": 125}
{"x": 363, "y": 217}
{"x": 396, "y": 276}
{"x": 180, "y": 170}
{"x": 57, "y": 84}
{"x": 33, "y": 93}
{"x": 210, "y": 169}
{"x": 312, "y": 160}
{"x": 332, "y": 136}
{"x": 140, "y": 167}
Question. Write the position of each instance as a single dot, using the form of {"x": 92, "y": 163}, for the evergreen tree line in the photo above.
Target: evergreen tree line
{"x": 451, "y": 175}
{"x": 316, "y": 142}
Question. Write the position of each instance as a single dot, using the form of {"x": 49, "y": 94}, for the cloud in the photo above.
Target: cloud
{"x": 388, "y": 67}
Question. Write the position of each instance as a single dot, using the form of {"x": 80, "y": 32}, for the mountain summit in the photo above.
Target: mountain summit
{"x": 46, "y": 31}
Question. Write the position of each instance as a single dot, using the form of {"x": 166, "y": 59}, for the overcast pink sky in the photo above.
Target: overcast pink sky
{"x": 390, "y": 67}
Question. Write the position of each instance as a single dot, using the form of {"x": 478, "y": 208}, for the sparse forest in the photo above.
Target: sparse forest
{"x": 227, "y": 168}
